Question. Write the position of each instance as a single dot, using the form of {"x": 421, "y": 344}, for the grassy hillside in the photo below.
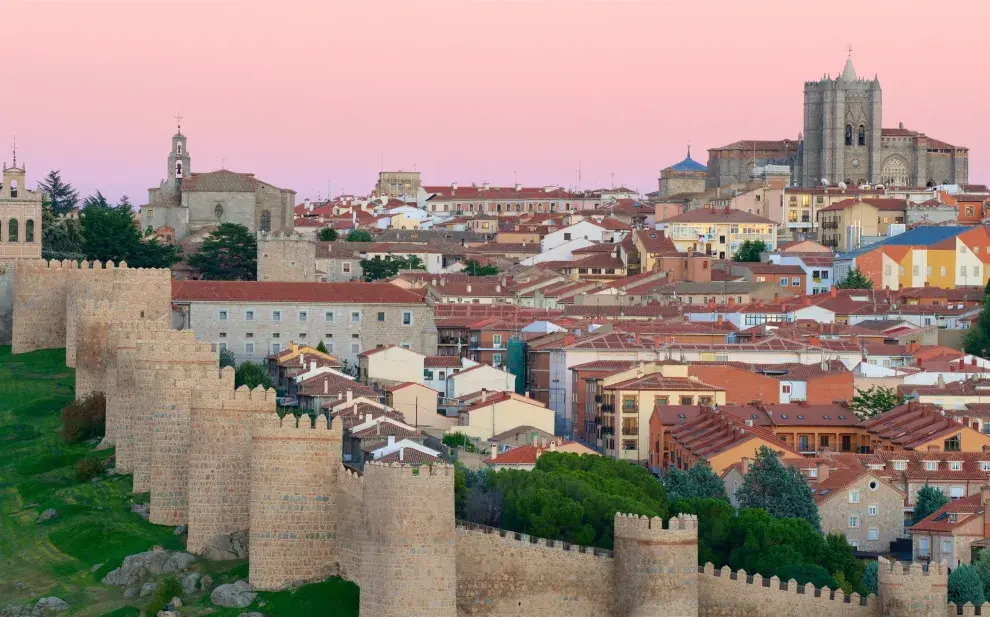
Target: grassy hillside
{"x": 95, "y": 529}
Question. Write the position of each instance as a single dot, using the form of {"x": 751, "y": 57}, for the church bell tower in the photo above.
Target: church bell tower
{"x": 178, "y": 159}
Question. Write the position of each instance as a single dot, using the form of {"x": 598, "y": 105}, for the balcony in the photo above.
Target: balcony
{"x": 752, "y": 237}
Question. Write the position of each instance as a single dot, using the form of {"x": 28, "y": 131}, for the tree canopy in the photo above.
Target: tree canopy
{"x": 251, "y": 375}
{"x": 965, "y": 586}
{"x": 976, "y": 341}
{"x": 855, "y": 279}
{"x": 929, "y": 499}
{"x": 59, "y": 194}
{"x": 230, "y": 253}
{"x": 781, "y": 491}
{"x": 472, "y": 267}
{"x": 359, "y": 235}
{"x": 376, "y": 269}
{"x": 699, "y": 482}
{"x": 874, "y": 401}
{"x": 327, "y": 234}
{"x": 112, "y": 234}
{"x": 749, "y": 251}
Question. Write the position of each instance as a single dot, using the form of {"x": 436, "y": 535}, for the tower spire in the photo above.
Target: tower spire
{"x": 178, "y": 123}
{"x": 689, "y": 150}
{"x": 14, "y": 149}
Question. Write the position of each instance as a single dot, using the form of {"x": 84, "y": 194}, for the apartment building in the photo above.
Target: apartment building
{"x": 718, "y": 232}
{"x": 253, "y": 319}
{"x": 852, "y": 223}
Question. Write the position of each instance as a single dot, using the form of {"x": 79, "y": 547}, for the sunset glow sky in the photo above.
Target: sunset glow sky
{"x": 306, "y": 92}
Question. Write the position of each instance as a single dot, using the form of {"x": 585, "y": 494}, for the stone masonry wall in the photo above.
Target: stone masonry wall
{"x": 506, "y": 574}
{"x": 910, "y": 590}
{"x": 220, "y": 459}
{"x": 723, "y": 593}
{"x": 409, "y": 558}
{"x": 656, "y": 569}
{"x": 286, "y": 257}
{"x": 39, "y": 305}
{"x": 293, "y": 474}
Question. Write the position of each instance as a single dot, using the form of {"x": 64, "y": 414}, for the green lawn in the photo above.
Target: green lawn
{"x": 95, "y": 525}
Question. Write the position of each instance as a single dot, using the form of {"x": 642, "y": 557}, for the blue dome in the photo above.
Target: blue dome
{"x": 688, "y": 164}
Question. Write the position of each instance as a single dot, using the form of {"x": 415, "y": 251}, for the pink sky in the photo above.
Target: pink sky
{"x": 302, "y": 92}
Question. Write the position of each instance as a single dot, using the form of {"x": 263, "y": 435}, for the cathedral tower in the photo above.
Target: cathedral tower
{"x": 842, "y": 129}
{"x": 178, "y": 160}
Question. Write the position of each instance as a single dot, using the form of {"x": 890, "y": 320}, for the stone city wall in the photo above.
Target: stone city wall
{"x": 39, "y": 305}
{"x": 656, "y": 569}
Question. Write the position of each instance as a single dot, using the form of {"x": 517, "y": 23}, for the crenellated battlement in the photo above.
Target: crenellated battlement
{"x": 888, "y": 571}
{"x": 530, "y": 541}
{"x": 652, "y": 528}
{"x": 272, "y": 426}
{"x": 373, "y": 468}
{"x": 774, "y": 584}
{"x": 969, "y": 609}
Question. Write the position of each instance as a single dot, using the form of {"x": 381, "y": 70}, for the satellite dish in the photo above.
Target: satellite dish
{"x": 842, "y": 185}
{"x": 824, "y": 181}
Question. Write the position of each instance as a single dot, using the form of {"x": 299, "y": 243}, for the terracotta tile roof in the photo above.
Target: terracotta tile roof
{"x": 657, "y": 381}
{"x": 409, "y": 384}
{"x": 953, "y": 514}
{"x": 642, "y": 310}
{"x": 712, "y": 432}
{"x": 523, "y": 455}
{"x": 966, "y": 387}
{"x": 358, "y": 414}
{"x": 748, "y": 145}
{"x": 400, "y": 248}
{"x": 408, "y": 456}
{"x": 221, "y": 181}
{"x": 605, "y": 365}
{"x": 383, "y": 426}
{"x": 501, "y": 397}
{"x": 442, "y": 362}
{"x": 655, "y": 241}
{"x": 880, "y": 204}
{"x": 502, "y": 248}
{"x": 314, "y": 293}
{"x": 718, "y": 215}
{"x": 765, "y": 268}
{"x": 912, "y": 425}
{"x": 330, "y": 385}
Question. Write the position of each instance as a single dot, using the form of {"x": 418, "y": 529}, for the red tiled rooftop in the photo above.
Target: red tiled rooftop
{"x": 314, "y": 293}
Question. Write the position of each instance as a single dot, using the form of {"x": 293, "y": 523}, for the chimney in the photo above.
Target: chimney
{"x": 326, "y": 385}
{"x": 912, "y": 346}
{"x": 302, "y": 359}
{"x": 833, "y": 292}
{"x": 368, "y": 417}
{"x": 312, "y": 365}
{"x": 544, "y": 443}
{"x": 486, "y": 186}
{"x": 518, "y": 186}
{"x": 720, "y": 320}
{"x": 746, "y": 463}
{"x": 494, "y": 450}
{"x": 402, "y": 452}
{"x": 469, "y": 288}
{"x": 391, "y": 440}
{"x": 553, "y": 445}
{"x": 484, "y": 394}
{"x": 941, "y": 382}
{"x": 536, "y": 441}
{"x": 732, "y": 301}
{"x": 350, "y": 395}
{"x": 814, "y": 340}
{"x": 823, "y": 470}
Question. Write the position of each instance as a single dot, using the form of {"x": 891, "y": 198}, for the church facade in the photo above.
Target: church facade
{"x": 843, "y": 140}
{"x": 189, "y": 204}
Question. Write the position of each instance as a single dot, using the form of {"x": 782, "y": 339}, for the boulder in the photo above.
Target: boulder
{"x": 206, "y": 583}
{"x": 237, "y": 595}
{"x": 188, "y": 583}
{"x": 251, "y": 614}
{"x": 150, "y": 563}
{"x": 147, "y": 589}
{"x": 141, "y": 509}
{"x": 96, "y": 567}
{"x": 49, "y": 605}
{"x": 176, "y": 602}
{"x": 131, "y": 592}
{"x": 47, "y": 515}
{"x": 227, "y": 546}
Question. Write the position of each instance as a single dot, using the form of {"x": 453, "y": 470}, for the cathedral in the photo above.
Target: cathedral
{"x": 187, "y": 206}
{"x": 844, "y": 141}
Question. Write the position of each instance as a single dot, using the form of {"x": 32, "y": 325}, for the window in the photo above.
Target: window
{"x": 355, "y": 347}
{"x": 873, "y": 510}
{"x": 406, "y": 346}
{"x": 275, "y": 335}
{"x": 441, "y": 375}
{"x": 249, "y": 335}
{"x": 276, "y": 315}
{"x": 803, "y": 443}
{"x": 823, "y": 441}
{"x": 567, "y": 236}
{"x": 962, "y": 270}
{"x": 355, "y": 316}
{"x": 928, "y": 270}
{"x": 496, "y": 340}
{"x": 381, "y": 315}
{"x": 687, "y": 400}
{"x": 276, "y": 347}
{"x": 407, "y": 318}
{"x": 955, "y": 465}
{"x": 887, "y": 270}
{"x": 249, "y": 348}
{"x": 223, "y": 335}
{"x": 854, "y": 496}
{"x": 956, "y": 492}
{"x": 942, "y": 270}
{"x": 873, "y": 534}
{"x": 784, "y": 281}
{"x": 923, "y": 546}
{"x": 916, "y": 270}
{"x": 629, "y": 404}
{"x": 29, "y": 230}
{"x": 849, "y": 135}
{"x": 854, "y": 521}
{"x": 785, "y": 388}
{"x": 861, "y": 140}
{"x": 931, "y": 465}
{"x": 953, "y": 444}
{"x": 853, "y": 543}
{"x": 266, "y": 221}
{"x": 795, "y": 282}
{"x": 222, "y": 346}
{"x": 222, "y": 315}
{"x": 660, "y": 401}
{"x": 218, "y": 211}
{"x": 985, "y": 465}
{"x": 900, "y": 270}
{"x": 345, "y": 267}
{"x": 328, "y": 316}
{"x": 248, "y": 315}
{"x": 946, "y": 546}
{"x": 496, "y": 359}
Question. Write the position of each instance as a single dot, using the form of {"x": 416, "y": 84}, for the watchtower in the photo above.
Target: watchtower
{"x": 656, "y": 569}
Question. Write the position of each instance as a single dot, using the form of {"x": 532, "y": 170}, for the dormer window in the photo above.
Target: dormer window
{"x": 955, "y": 465}
{"x": 900, "y": 465}
{"x": 931, "y": 465}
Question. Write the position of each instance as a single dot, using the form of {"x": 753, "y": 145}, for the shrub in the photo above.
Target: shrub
{"x": 84, "y": 418}
{"x": 870, "y": 577}
{"x": 459, "y": 440}
{"x": 965, "y": 586}
{"x": 167, "y": 589}
{"x": 88, "y": 468}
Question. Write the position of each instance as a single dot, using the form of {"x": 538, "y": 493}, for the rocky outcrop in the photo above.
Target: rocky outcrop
{"x": 224, "y": 547}
{"x": 237, "y": 595}
{"x": 144, "y": 565}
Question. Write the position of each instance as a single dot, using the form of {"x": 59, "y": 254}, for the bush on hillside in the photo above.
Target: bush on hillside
{"x": 88, "y": 468}
{"x": 84, "y": 418}
{"x": 167, "y": 589}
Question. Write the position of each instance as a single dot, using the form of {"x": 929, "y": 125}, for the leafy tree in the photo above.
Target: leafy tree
{"x": 976, "y": 341}
{"x": 749, "y": 251}
{"x": 874, "y": 401}
{"x": 965, "y": 586}
{"x": 474, "y": 268}
{"x": 61, "y": 236}
{"x": 84, "y": 418}
{"x": 125, "y": 202}
{"x": 837, "y": 558}
{"x": 321, "y": 347}
{"x": 96, "y": 200}
{"x": 982, "y": 565}
{"x": 870, "y": 577}
{"x": 855, "y": 279}
{"x": 88, "y": 468}
{"x": 252, "y": 375}
{"x": 111, "y": 234}
{"x": 807, "y": 574}
{"x": 929, "y": 500}
{"x": 227, "y": 358}
{"x": 781, "y": 491}
{"x": 229, "y": 253}
{"x": 327, "y": 234}
{"x": 459, "y": 440}
{"x": 699, "y": 482}
{"x": 377, "y": 269}
{"x": 60, "y": 195}
{"x": 359, "y": 235}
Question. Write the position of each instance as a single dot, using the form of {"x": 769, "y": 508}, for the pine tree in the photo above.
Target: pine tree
{"x": 965, "y": 586}
{"x": 322, "y": 348}
{"x": 870, "y": 577}
{"x": 110, "y": 234}
{"x": 59, "y": 194}
{"x": 855, "y": 279}
{"x": 928, "y": 501}
{"x": 699, "y": 482}
{"x": 230, "y": 253}
{"x": 781, "y": 491}
{"x": 976, "y": 341}
{"x": 749, "y": 251}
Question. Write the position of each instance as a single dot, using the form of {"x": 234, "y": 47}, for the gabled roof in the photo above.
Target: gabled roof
{"x": 953, "y": 514}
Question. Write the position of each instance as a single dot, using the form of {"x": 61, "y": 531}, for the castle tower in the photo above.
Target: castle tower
{"x": 169, "y": 460}
{"x": 179, "y": 165}
{"x": 656, "y": 569}
{"x": 911, "y": 590}
{"x": 294, "y": 471}
{"x": 286, "y": 257}
{"x": 408, "y": 562}
{"x": 39, "y": 304}
{"x": 220, "y": 459}
{"x": 842, "y": 128}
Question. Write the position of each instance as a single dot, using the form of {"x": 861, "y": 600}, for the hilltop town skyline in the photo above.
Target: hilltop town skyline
{"x": 456, "y": 107}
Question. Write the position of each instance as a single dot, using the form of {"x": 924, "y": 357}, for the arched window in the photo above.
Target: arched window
{"x": 12, "y": 230}
{"x": 29, "y": 230}
{"x": 862, "y": 135}
{"x": 178, "y": 147}
{"x": 849, "y": 135}
{"x": 266, "y": 221}
{"x": 895, "y": 171}
{"x": 178, "y": 169}
{"x": 218, "y": 211}
{"x": 704, "y": 265}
